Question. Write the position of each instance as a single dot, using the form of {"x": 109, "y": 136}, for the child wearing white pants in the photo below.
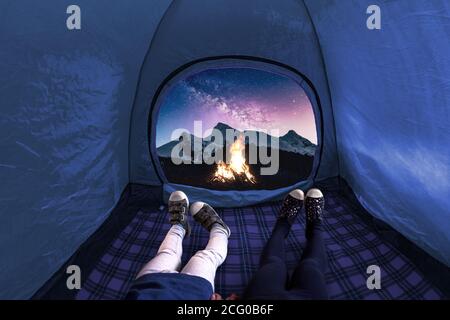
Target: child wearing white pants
{"x": 161, "y": 277}
{"x": 203, "y": 264}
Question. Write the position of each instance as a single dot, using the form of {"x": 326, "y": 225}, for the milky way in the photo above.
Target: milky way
{"x": 243, "y": 98}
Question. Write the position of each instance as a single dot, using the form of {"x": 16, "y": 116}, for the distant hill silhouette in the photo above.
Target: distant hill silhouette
{"x": 296, "y": 155}
{"x": 291, "y": 141}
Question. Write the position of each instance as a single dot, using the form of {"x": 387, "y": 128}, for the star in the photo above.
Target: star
{"x": 242, "y": 98}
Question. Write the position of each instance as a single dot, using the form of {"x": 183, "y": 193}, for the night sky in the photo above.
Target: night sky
{"x": 243, "y": 98}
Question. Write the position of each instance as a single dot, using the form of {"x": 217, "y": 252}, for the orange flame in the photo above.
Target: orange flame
{"x": 236, "y": 167}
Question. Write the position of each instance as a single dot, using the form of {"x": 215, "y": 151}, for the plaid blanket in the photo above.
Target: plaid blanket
{"x": 351, "y": 247}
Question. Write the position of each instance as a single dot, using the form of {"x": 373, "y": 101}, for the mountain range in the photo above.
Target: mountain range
{"x": 290, "y": 142}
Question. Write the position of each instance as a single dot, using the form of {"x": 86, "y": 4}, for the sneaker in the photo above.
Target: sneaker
{"x": 314, "y": 205}
{"x": 178, "y": 208}
{"x": 204, "y": 214}
{"x": 291, "y": 206}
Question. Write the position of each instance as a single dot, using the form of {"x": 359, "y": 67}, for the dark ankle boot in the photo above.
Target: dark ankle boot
{"x": 178, "y": 209}
{"x": 292, "y": 205}
{"x": 314, "y": 206}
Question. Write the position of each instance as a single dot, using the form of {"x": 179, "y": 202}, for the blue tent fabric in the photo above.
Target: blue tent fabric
{"x": 64, "y": 121}
{"x": 231, "y": 199}
{"x": 75, "y": 109}
{"x": 392, "y": 112}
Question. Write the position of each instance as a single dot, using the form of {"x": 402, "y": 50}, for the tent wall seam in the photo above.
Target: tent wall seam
{"x": 322, "y": 58}
{"x": 138, "y": 85}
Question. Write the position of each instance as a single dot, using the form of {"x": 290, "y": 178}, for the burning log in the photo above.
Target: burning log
{"x": 237, "y": 169}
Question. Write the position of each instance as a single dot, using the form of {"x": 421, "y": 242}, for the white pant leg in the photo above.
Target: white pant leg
{"x": 168, "y": 258}
{"x": 205, "y": 262}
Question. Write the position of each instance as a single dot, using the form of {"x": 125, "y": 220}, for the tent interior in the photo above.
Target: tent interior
{"x": 84, "y": 181}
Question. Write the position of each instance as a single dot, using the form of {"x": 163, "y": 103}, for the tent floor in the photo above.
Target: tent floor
{"x": 352, "y": 245}
{"x": 113, "y": 255}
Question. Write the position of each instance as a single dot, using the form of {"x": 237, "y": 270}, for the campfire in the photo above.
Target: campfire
{"x": 237, "y": 169}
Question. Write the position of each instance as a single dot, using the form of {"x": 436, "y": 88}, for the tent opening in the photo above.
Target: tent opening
{"x": 235, "y": 127}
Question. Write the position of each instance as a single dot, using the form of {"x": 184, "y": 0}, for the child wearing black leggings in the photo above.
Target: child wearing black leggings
{"x": 308, "y": 280}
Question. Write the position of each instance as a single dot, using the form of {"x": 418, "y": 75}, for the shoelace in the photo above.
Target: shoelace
{"x": 206, "y": 218}
{"x": 177, "y": 211}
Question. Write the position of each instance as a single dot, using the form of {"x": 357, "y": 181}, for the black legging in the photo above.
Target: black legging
{"x": 272, "y": 279}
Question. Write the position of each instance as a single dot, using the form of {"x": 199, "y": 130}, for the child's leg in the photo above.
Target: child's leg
{"x": 310, "y": 273}
{"x": 309, "y": 276}
{"x": 272, "y": 275}
{"x": 205, "y": 262}
{"x": 168, "y": 258}
{"x": 275, "y": 245}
